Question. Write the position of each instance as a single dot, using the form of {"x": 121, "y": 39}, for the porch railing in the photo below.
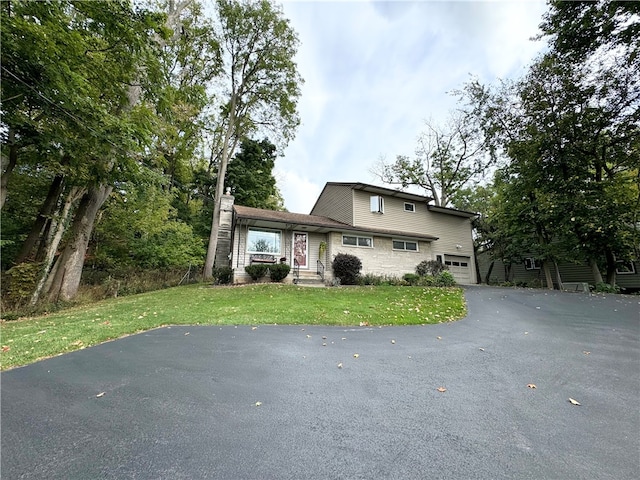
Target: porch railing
{"x": 296, "y": 270}
{"x": 320, "y": 269}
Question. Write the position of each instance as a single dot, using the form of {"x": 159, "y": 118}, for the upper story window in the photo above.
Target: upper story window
{"x": 409, "y": 207}
{"x": 377, "y": 203}
{"x": 263, "y": 241}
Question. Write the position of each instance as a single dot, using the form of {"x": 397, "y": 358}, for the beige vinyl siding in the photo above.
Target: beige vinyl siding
{"x": 394, "y": 216}
{"x": 335, "y": 202}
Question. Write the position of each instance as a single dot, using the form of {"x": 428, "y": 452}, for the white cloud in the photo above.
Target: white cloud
{"x": 375, "y": 71}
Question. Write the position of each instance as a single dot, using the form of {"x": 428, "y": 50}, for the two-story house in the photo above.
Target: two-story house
{"x": 390, "y": 231}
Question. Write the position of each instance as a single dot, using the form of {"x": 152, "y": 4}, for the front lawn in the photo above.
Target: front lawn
{"x": 27, "y": 340}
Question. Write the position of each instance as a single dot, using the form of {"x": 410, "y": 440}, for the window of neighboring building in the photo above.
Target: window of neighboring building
{"x": 531, "y": 264}
{"x": 354, "y": 241}
{"x": 263, "y": 241}
{"x": 409, "y": 207}
{"x": 377, "y": 204}
{"x": 625, "y": 267}
{"x": 404, "y": 245}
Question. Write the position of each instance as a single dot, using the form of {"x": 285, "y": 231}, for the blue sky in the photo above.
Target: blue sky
{"x": 375, "y": 71}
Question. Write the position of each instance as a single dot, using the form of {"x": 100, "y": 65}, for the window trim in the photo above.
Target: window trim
{"x": 413, "y": 207}
{"x": 357, "y": 237}
{"x": 404, "y": 242}
{"x": 628, "y": 271}
{"x": 268, "y": 230}
{"x": 531, "y": 263}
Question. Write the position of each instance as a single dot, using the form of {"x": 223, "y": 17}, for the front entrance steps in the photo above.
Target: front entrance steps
{"x": 309, "y": 278}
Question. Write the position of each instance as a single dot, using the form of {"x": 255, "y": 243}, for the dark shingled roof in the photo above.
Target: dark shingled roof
{"x": 287, "y": 217}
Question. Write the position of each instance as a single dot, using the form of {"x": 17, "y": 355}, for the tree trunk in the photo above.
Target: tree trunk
{"x": 58, "y": 228}
{"x": 44, "y": 216}
{"x": 487, "y": 277}
{"x": 222, "y": 171}
{"x": 595, "y": 271}
{"x": 611, "y": 267}
{"x": 6, "y": 170}
{"x": 67, "y": 271}
{"x": 558, "y": 277}
{"x": 547, "y": 274}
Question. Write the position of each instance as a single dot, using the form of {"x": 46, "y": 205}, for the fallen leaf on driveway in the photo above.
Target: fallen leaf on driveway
{"x": 442, "y": 389}
{"x": 439, "y": 338}
{"x": 324, "y": 344}
{"x": 254, "y": 328}
{"x": 187, "y": 333}
{"x": 101, "y": 394}
{"x": 308, "y": 336}
{"x": 356, "y": 355}
{"x": 481, "y": 349}
{"x": 393, "y": 341}
{"x": 574, "y": 402}
{"x": 586, "y": 353}
{"x": 531, "y": 385}
{"x": 258, "y": 404}
{"x": 340, "y": 365}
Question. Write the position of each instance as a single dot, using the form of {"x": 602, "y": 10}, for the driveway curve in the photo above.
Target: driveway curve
{"x": 296, "y": 402}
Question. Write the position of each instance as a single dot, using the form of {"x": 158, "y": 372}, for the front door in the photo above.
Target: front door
{"x": 300, "y": 248}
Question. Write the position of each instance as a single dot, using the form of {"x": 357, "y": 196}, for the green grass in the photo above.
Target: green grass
{"x": 27, "y": 340}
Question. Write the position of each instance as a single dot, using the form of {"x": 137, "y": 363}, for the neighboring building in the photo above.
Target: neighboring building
{"x": 389, "y": 231}
{"x": 574, "y": 276}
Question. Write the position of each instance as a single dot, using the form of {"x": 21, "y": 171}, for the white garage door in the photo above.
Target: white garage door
{"x": 460, "y": 268}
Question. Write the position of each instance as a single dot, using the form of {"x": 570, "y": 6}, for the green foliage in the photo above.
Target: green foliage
{"x": 430, "y": 267}
{"x": 222, "y": 275}
{"x": 256, "y": 271}
{"x": 411, "y": 278}
{"x": 250, "y": 175}
{"x": 279, "y": 271}
{"x": 18, "y": 284}
{"x": 139, "y": 227}
{"x": 347, "y": 268}
{"x": 444, "y": 279}
{"x": 606, "y": 288}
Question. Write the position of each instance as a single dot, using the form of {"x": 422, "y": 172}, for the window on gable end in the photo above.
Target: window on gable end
{"x": 409, "y": 207}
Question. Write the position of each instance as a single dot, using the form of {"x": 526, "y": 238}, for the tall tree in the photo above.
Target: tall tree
{"x": 250, "y": 175}
{"x": 448, "y": 158}
{"x": 261, "y": 86}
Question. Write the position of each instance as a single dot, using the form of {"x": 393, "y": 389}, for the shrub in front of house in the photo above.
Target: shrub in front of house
{"x": 256, "y": 272}
{"x": 222, "y": 276}
{"x": 347, "y": 268}
{"x": 279, "y": 272}
{"x": 430, "y": 267}
{"x": 444, "y": 279}
{"x": 411, "y": 278}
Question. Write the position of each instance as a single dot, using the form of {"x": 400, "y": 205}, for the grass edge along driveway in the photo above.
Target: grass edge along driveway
{"x": 28, "y": 340}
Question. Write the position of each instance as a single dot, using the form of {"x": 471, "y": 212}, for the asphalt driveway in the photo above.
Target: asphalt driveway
{"x": 284, "y": 402}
